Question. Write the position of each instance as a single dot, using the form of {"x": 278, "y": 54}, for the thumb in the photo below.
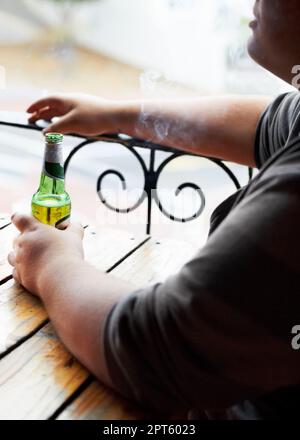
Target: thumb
{"x": 24, "y": 222}
{"x": 64, "y": 125}
{"x": 77, "y": 228}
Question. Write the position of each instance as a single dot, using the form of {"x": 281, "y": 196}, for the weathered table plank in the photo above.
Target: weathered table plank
{"x": 151, "y": 263}
{"x": 36, "y": 376}
{"x": 100, "y": 403}
{"x": 4, "y": 220}
{"x": 6, "y": 238}
{"x": 22, "y": 313}
{"x": 155, "y": 261}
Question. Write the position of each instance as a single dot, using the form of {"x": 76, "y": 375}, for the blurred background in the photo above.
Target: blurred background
{"x": 120, "y": 49}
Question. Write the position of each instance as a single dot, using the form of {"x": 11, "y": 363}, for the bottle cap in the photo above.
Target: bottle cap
{"x": 54, "y": 138}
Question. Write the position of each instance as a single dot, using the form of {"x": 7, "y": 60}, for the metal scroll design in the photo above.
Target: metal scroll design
{"x": 151, "y": 175}
{"x": 149, "y": 190}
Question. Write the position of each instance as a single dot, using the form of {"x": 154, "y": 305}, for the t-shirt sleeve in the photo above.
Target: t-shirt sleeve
{"x": 219, "y": 331}
{"x": 278, "y": 126}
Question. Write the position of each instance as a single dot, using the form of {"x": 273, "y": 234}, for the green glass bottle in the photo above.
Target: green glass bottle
{"x": 51, "y": 204}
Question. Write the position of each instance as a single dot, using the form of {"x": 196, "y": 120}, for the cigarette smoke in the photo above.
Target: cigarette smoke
{"x": 154, "y": 85}
{"x": 158, "y": 89}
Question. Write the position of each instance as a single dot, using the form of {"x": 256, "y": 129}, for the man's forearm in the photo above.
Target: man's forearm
{"x": 221, "y": 127}
{"x": 78, "y": 298}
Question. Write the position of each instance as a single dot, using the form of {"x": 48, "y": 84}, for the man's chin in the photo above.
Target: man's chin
{"x": 254, "y": 50}
{"x": 260, "y": 55}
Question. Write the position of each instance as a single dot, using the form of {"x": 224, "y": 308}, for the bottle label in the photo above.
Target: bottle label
{"x": 54, "y": 170}
{"x": 53, "y": 162}
{"x": 63, "y": 223}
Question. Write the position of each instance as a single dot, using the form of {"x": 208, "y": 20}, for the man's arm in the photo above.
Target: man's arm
{"x": 221, "y": 127}
{"x": 49, "y": 263}
{"x": 78, "y": 297}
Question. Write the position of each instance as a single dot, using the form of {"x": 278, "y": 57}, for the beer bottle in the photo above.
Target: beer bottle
{"x": 51, "y": 204}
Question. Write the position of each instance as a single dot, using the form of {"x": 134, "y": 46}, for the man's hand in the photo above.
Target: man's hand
{"x": 81, "y": 114}
{"x": 40, "y": 249}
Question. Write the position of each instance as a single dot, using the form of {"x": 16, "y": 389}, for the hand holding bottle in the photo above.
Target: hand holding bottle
{"x": 41, "y": 250}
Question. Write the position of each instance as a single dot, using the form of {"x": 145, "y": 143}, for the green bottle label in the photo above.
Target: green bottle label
{"x": 54, "y": 170}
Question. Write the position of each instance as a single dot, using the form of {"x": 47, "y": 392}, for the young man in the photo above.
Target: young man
{"x": 216, "y": 336}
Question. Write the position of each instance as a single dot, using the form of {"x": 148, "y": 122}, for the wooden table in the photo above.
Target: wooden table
{"x": 39, "y": 378}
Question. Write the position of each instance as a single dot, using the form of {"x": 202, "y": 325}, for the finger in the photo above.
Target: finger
{"x": 24, "y": 222}
{"x": 16, "y": 243}
{"x": 46, "y": 113}
{"x": 48, "y": 101}
{"x": 11, "y": 258}
{"x": 77, "y": 228}
{"x": 64, "y": 125}
{"x": 16, "y": 276}
{"x": 35, "y": 117}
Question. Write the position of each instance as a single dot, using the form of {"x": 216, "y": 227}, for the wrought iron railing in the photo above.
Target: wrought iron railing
{"x": 151, "y": 173}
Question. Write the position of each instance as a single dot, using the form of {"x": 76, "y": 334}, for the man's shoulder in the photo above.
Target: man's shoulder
{"x": 283, "y": 167}
{"x": 278, "y": 125}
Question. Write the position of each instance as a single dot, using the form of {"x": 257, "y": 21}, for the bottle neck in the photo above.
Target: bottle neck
{"x": 52, "y": 177}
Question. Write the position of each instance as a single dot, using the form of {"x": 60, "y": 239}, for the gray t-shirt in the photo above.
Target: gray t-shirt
{"x": 216, "y": 337}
